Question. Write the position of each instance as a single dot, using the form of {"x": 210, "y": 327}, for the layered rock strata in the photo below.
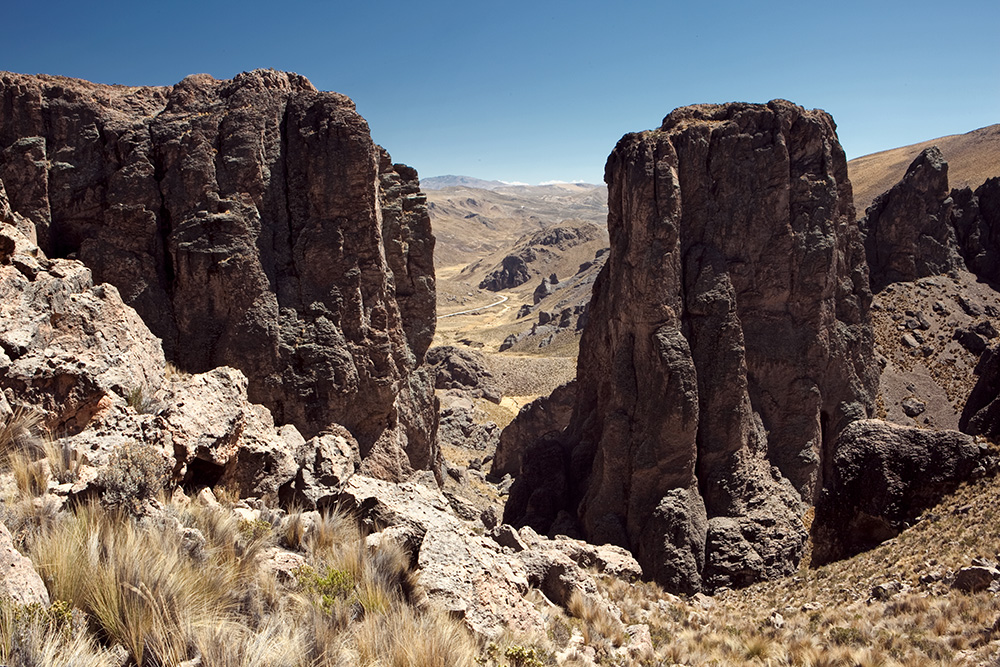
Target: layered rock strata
{"x": 251, "y": 223}
{"x": 728, "y": 344}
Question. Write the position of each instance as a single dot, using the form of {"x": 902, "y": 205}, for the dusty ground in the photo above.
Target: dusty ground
{"x": 915, "y": 325}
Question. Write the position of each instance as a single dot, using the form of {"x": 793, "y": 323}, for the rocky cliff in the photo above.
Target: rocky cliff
{"x": 728, "y": 344}
{"x": 251, "y": 223}
{"x": 920, "y": 228}
{"x": 908, "y": 231}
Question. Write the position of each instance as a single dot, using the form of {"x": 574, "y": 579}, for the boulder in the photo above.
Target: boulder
{"x": 462, "y": 368}
{"x": 976, "y": 578}
{"x": 325, "y": 463}
{"x": 882, "y": 477}
{"x": 19, "y": 583}
{"x": 727, "y": 344}
{"x": 251, "y": 223}
{"x": 468, "y": 577}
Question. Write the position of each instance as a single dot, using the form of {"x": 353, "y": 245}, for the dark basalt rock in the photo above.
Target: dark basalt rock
{"x": 908, "y": 230}
{"x": 882, "y": 477}
{"x": 252, "y": 223}
{"x": 728, "y": 343}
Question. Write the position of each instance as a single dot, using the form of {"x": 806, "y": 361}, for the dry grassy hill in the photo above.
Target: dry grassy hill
{"x": 972, "y": 158}
{"x": 470, "y": 223}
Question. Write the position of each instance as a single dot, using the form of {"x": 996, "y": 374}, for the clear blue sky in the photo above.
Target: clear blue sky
{"x": 533, "y": 91}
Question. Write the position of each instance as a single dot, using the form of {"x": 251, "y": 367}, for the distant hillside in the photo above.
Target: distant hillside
{"x": 972, "y": 158}
{"x": 470, "y": 223}
{"x": 451, "y": 181}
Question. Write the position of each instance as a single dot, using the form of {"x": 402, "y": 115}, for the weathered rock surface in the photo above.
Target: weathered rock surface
{"x": 882, "y": 477}
{"x": 252, "y": 223}
{"x": 458, "y": 426}
{"x": 728, "y": 344}
{"x": 479, "y": 579}
{"x": 462, "y": 368}
{"x": 981, "y": 414}
{"x": 908, "y": 230}
{"x": 19, "y": 582}
{"x": 68, "y": 347}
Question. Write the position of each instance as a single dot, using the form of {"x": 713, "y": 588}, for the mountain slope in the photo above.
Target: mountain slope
{"x": 972, "y": 158}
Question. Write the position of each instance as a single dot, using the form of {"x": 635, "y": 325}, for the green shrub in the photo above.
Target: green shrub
{"x": 329, "y": 588}
{"x": 135, "y": 474}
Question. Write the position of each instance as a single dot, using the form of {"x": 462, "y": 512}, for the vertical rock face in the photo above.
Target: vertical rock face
{"x": 908, "y": 229}
{"x": 728, "y": 344}
{"x": 976, "y": 218}
{"x": 251, "y": 223}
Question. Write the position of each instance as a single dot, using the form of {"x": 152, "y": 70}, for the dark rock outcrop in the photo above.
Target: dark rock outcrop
{"x": 981, "y": 414}
{"x": 251, "y": 223}
{"x": 976, "y": 219}
{"x": 908, "y": 230}
{"x": 465, "y": 369}
{"x": 546, "y": 415}
{"x": 728, "y": 344}
{"x": 883, "y": 476}
{"x": 513, "y": 271}
{"x": 919, "y": 228}
{"x": 530, "y": 251}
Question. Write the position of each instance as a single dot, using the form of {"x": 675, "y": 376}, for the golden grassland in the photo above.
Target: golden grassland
{"x": 186, "y": 586}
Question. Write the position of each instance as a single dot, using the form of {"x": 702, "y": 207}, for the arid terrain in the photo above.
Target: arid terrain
{"x": 266, "y": 400}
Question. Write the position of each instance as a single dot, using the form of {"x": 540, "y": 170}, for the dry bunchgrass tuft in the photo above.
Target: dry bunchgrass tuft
{"x": 141, "y": 585}
{"x": 21, "y": 432}
{"x": 404, "y": 638}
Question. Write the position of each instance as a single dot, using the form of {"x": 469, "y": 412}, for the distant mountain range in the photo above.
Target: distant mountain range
{"x": 453, "y": 181}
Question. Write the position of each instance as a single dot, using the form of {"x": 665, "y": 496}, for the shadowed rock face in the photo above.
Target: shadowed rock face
{"x": 251, "y": 223}
{"x": 908, "y": 229}
{"x": 728, "y": 344}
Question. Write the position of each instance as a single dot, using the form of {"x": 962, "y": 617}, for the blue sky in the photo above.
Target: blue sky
{"x": 535, "y": 91}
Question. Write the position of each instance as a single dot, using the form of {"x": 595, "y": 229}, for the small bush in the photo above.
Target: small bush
{"x": 134, "y": 474}
{"x": 141, "y": 403}
{"x": 519, "y": 656}
{"x": 328, "y": 588}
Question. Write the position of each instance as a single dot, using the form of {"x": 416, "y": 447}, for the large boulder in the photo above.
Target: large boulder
{"x": 68, "y": 348}
{"x": 728, "y": 344}
{"x": 908, "y": 230}
{"x": 20, "y": 582}
{"x": 251, "y": 223}
{"x": 882, "y": 477}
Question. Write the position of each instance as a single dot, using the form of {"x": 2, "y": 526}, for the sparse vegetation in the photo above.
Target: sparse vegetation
{"x": 135, "y": 474}
{"x": 140, "y": 401}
